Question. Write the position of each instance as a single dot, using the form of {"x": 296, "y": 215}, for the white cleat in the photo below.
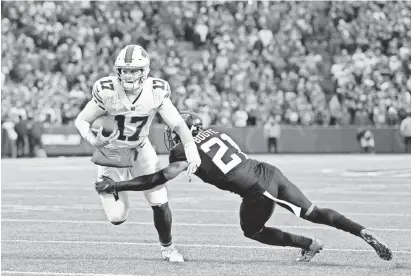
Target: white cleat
{"x": 309, "y": 253}
{"x": 171, "y": 254}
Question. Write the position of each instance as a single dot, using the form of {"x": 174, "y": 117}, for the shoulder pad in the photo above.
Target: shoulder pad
{"x": 161, "y": 87}
{"x": 106, "y": 85}
{"x": 102, "y": 88}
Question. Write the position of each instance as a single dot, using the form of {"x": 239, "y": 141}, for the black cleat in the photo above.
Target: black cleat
{"x": 382, "y": 250}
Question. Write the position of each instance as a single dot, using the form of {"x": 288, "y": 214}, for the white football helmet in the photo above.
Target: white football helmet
{"x": 132, "y": 66}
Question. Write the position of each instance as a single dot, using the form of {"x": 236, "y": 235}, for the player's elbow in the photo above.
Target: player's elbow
{"x": 78, "y": 122}
{"x": 82, "y": 125}
{"x": 79, "y": 118}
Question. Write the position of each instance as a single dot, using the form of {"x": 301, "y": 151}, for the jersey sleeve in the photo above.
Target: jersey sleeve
{"x": 97, "y": 97}
{"x": 162, "y": 91}
{"x": 166, "y": 108}
{"x": 177, "y": 154}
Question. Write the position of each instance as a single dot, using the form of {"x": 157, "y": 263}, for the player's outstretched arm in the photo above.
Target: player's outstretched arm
{"x": 174, "y": 120}
{"x": 91, "y": 112}
{"x": 144, "y": 182}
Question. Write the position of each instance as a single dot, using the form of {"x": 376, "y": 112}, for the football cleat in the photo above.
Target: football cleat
{"x": 171, "y": 254}
{"x": 308, "y": 253}
{"x": 382, "y": 250}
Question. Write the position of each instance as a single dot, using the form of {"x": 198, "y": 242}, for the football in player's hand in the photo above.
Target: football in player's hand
{"x": 108, "y": 124}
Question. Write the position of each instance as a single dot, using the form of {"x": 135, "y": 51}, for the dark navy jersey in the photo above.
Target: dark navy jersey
{"x": 222, "y": 162}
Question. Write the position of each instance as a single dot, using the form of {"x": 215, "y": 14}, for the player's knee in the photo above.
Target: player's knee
{"x": 251, "y": 231}
{"x": 164, "y": 207}
{"x": 117, "y": 217}
{"x": 254, "y": 235}
{"x": 314, "y": 215}
{"x": 322, "y": 215}
{"x": 157, "y": 196}
{"x": 162, "y": 215}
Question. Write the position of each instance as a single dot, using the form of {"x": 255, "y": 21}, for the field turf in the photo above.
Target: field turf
{"x": 52, "y": 222}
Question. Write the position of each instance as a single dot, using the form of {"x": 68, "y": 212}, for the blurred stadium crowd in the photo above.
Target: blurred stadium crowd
{"x": 235, "y": 63}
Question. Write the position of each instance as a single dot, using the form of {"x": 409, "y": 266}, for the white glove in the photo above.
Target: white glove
{"x": 102, "y": 141}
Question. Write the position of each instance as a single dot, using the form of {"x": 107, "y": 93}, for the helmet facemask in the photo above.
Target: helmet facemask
{"x": 132, "y": 66}
{"x": 132, "y": 78}
{"x": 171, "y": 138}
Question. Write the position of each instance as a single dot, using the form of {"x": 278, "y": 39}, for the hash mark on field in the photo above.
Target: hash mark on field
{"x": 191, "y": 224}
{"x": 199, "y": 245}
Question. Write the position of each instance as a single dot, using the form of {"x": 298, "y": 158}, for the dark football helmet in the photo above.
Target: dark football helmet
{"x": 194, "y": 123}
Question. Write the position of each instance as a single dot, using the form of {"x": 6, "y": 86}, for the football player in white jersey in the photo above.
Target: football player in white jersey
{"x": 132, "y": 99}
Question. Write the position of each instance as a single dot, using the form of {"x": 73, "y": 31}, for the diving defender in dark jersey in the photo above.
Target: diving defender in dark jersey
{"x": 260, "y": 185}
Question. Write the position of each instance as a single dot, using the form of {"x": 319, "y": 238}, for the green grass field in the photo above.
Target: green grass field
{"x": 52, "y": 222}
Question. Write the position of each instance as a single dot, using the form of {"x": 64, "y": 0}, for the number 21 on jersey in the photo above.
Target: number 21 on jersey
{"x": 224, "y": 150}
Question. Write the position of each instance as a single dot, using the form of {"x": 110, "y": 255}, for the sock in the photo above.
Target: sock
{"x": 162, "y": 222}
{"x": 274, "y": 236}
{"x": 334, "y": 219}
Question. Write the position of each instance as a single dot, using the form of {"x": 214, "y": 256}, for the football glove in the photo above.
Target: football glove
{"x": 102, "y": 141}
{"x": 107, "y": 185}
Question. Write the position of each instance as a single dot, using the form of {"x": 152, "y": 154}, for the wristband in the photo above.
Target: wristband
{"x": 191, "y": 152}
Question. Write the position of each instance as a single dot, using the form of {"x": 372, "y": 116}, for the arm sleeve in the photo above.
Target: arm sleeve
{"x": 142, "y": 183}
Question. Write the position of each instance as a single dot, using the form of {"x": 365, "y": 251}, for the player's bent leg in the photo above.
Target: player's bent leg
{"x": 116, "y": 209}
{"x": 116, "y": 206}
{"x": 255, "y": 210}
{"x": 292, "y": 195}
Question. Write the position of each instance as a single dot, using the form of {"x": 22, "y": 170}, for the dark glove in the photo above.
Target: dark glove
{"x": 107, "y": 185}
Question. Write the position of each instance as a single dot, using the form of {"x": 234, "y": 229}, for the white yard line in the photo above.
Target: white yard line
{"x": 195, "y": 245}
{"x": 11, "y": 272}
{"x": 187, "y": 224}
{"x": 18, "y": 208}
{"x": 5, "y": 190}
{"x": 220, "y": 198}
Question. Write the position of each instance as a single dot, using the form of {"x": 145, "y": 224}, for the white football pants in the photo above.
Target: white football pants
{"x": 117, "y": 210}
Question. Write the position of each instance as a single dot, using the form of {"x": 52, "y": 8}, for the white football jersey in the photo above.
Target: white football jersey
{"x": 134, "y": 118}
